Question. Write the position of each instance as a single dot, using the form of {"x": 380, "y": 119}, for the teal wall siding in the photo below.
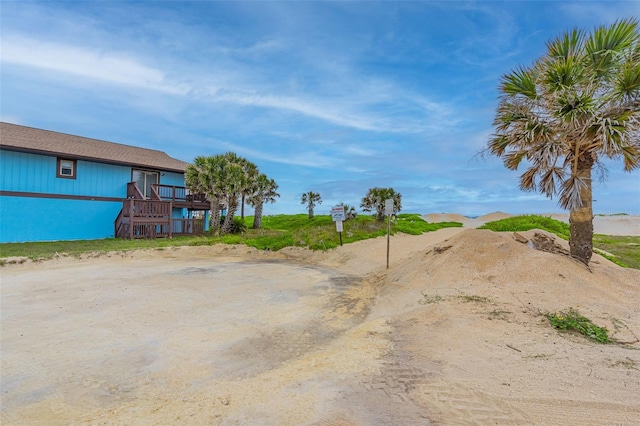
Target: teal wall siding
{"x": 37, "y": 173}
{"x": 173, "y": 179}
{"x": 25, "y": 172}
{"x": 46, "y": 219}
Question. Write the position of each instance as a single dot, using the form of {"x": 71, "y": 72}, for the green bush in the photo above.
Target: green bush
{"x": 572, "y": 320}
{"x": 528, "y": 222}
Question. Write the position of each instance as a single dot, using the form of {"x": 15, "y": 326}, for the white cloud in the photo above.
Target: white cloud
{"x": 89, "y": 63}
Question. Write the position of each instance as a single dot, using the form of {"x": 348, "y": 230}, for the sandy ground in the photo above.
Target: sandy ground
{"x": 451, "y": 333}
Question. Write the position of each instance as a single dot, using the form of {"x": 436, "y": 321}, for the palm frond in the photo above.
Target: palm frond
{"x": 548, "y": 181}
{"x": 627, "y": 83}
{"x": 570, "y": 190}
{"x": 513, "y": 159}
{"x": 520, "y": 82}
{"x": 528, "y": 179}
{"x": 498, "y": 144}
{"x": 630, "y": 158}
{"x": 606, "y": 43}
{"x": 567, "y": 45}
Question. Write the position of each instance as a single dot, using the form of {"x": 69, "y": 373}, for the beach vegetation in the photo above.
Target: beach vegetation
{"x": 527, "y": 223}
{"x": 277, "y": 232}
{"x": 572, "y": 320}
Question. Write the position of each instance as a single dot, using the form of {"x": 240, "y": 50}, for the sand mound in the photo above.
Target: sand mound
{"x": 467, "y": 222}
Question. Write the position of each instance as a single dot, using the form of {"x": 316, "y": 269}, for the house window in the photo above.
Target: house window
{"x": 66, "y": 169}
{"x": 144, "y": 179}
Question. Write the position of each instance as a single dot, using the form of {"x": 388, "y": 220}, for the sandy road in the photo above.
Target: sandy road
{"x": 228, "y": 335}
{"x": 166, "y": 340}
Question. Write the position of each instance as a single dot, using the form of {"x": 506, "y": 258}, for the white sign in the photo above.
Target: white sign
{"x": 338, "y": 226}
{"x": 337, "y": 213}
{"x": 388, "y": 206}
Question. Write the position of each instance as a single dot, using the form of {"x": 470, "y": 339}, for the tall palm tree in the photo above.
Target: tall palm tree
{"x": 579, "y": 103}
{"x": 263, "y": 191}
{"x": 237, "y": 177}
{"x": 311, "y": 199}
{"x": 204, "y": 176}
{"x": 252, "y": 173}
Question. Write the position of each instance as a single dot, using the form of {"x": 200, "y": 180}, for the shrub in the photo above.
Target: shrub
{"x": 572, "y": 320}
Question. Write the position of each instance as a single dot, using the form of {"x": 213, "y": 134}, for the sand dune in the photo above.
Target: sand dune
{"x": 606, "y": 225}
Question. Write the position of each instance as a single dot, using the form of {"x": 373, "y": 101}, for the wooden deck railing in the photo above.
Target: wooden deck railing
{"x": 175, "y": 193}
{"x": 142, "y": 217}
{"x": 133, "y": 191}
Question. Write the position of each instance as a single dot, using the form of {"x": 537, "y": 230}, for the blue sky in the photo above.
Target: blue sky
{"x": 333, "y": 97}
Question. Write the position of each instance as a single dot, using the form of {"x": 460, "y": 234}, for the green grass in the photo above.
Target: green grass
{"x": 278, "y": 232}
{"x": 528, "y": 222}
{"x": 572, "y": 320}
{"x": 625, "y": 250}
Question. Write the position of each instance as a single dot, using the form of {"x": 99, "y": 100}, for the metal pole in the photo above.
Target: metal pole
{"x": 340, "y": 239}
{"x": 388, "y": 237}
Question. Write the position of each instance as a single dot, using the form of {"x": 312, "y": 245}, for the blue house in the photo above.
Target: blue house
{"x": 56, "y": 186}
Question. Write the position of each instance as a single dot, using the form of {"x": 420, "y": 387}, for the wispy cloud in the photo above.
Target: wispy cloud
{"x": 89, "y": 63}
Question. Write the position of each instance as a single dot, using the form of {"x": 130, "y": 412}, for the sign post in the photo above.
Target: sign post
{"x": 338, "y": 216}
{"x": 388, "y": 210}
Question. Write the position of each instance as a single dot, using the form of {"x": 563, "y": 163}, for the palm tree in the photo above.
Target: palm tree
{"x": 236, "y": 178}
{"x": 204, "y": 176}
{"x": 375, "y": 200}
{"x": 579, "y": 103}
{"x": 263, "y": 191}
{"x": 252, "y": 173}
{"x": 223, "y": 178}
{"x": 349, "y": 211}
{"x": 311, "y": 199}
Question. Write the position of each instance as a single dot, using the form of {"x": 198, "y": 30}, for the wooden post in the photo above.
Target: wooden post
{"x": 131, "y": 215}
{"x": 171, "y": 218}
{"x": 388, "y": 237}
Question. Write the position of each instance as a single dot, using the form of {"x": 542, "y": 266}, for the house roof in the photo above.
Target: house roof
{"x": 28, "y": 139}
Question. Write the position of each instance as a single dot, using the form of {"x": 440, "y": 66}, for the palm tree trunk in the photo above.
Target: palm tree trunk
{"x": 242, "y": 208}
{"x": 257, "y": 218}
{"x": 214, "y": 220}
{"x": 231, "y": 211}
{"x": 581, "y": 220}
{"x": 310, "y": 212}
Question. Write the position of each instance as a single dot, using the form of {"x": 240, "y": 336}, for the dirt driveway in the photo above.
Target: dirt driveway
{"x": 190, "y": 340}
{"x": 452, "y": 333}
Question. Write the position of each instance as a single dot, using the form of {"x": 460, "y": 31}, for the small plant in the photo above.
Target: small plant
{"x": 427, "y": 299}
{"x": 471, "y": 298}
{"x": 238, "y": 227}
{"x": 572, "y": 320}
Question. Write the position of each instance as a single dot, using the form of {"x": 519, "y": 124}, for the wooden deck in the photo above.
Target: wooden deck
{"x": 142, "y": 217}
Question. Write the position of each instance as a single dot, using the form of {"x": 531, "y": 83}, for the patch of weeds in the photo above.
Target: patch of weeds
{"x": 539, "y": 356}
{"x": 626, "y": 363}
{"x": 467, "y": 298}
{"x": 497, "y": 313}
{"x": 573, "y": 321}
{"x": 427, "y": 299}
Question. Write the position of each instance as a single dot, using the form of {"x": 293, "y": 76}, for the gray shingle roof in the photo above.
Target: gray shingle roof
{"x": 29, "y": 139}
